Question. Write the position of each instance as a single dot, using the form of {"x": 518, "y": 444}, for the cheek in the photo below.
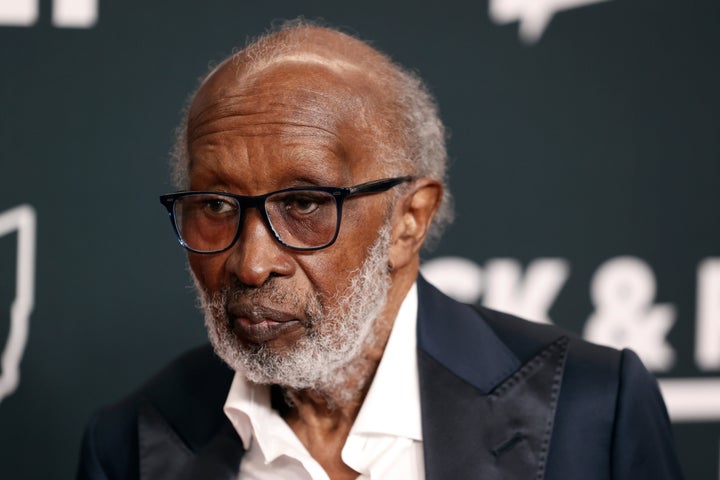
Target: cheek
{"x": 329, "y": 271}
{"x": 209, "y": 270}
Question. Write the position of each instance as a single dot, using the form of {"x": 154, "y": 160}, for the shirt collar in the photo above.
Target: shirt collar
{"x": 392, "y": 404}
{"x": 249, "y": 409}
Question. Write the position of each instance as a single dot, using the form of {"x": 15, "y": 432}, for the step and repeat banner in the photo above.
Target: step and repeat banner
{"x": 585, "y": 146}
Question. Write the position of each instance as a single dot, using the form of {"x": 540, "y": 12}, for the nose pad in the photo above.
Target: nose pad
{"x": 257, "y": 255}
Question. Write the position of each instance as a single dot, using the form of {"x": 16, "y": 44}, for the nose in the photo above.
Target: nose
{"x": 257, "y": 255}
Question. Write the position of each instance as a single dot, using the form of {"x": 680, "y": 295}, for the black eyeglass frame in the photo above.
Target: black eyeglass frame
{"x": 258, "y": 201}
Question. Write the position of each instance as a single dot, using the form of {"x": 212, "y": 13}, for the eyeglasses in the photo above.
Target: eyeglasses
{"x": 300, "y": 218}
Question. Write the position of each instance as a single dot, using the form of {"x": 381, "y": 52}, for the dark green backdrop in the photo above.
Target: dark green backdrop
{"x": 599, "y": 140}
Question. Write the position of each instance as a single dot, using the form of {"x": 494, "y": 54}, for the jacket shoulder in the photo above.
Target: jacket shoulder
{"x": 592, "y": 373}
{"x": 188, "y": 393}
{"x": 525, "y": 338}
{"x": 604, "y": 391}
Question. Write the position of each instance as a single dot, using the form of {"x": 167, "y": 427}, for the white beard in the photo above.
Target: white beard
{"x": 336, "y": 335}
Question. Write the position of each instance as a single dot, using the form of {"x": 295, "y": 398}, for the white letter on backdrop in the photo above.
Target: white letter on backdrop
{"x": 75, "y": 13}
{"x": 457, "y": 277}
{"x": 530, "y": 297}
{"x": 707, "y": 329}
{"x": 20, "y": 13}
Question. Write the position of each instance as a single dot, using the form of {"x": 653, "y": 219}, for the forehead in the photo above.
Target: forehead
{"x": 305, "y": 91}
{"x": 305, "y": 112}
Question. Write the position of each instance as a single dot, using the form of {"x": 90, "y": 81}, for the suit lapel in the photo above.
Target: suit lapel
{"x": 497, "y": 422}
{"x": 164, "y": 455}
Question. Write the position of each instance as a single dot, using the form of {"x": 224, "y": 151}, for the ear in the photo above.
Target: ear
{"x": 412, "y": 216}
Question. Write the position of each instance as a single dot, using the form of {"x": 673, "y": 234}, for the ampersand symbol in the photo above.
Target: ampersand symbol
{"x": 623, "y": 292}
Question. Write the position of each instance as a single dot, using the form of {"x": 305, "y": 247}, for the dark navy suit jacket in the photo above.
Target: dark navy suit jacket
{"x": 501, "y": 398}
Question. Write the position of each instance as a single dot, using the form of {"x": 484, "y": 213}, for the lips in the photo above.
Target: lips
{"x": 256, "y": 324}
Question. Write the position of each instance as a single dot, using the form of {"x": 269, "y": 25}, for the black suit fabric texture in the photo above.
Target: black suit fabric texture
{"x": 501, "y": 398}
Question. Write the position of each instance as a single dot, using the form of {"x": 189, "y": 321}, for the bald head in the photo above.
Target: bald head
{"x": 341, "y": 82}
{"x": 297, "y": 42}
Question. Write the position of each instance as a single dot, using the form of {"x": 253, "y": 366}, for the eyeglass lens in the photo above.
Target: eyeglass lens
{"x": 299, "y": 219}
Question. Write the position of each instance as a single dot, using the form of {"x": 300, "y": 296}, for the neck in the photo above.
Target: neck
{"x": 322, "y": 418}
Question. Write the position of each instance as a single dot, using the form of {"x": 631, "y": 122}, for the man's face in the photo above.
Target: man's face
{"x": 280, "y": 315}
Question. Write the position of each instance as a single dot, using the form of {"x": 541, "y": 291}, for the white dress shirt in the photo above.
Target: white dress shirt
{"x": 385, "y": 442}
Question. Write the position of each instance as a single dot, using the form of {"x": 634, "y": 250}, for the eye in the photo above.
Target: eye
{"x": 301, "y": 204}
{"x": 305, "y": 203}
{"x": 218, "y": 206}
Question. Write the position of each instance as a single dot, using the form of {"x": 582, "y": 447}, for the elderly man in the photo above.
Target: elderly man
{"x": 313, "y": 171}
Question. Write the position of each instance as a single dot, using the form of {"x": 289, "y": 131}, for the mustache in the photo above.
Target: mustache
{"x": 270, "y": 296}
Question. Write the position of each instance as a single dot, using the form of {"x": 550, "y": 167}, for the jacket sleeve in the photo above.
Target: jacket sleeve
{"x": 643, "y": 446}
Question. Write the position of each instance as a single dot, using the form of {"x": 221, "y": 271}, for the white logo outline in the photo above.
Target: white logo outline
{"x": 23, "y": 220}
